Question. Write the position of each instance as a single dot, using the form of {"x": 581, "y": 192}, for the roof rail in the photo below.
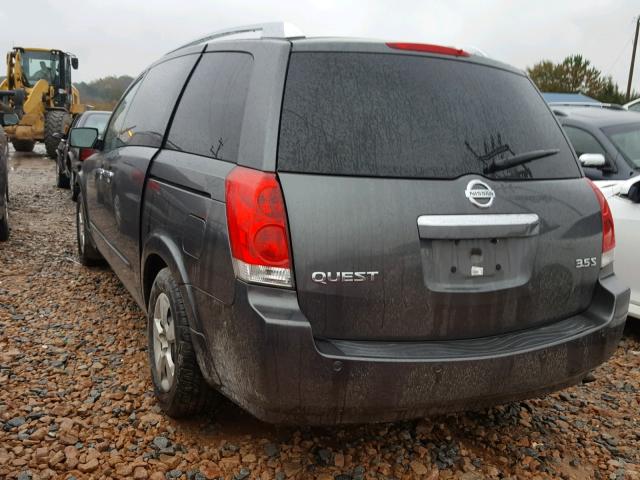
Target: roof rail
{"x": 270, "y": 30}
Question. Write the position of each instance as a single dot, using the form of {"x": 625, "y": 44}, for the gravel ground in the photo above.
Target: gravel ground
{"x": 76, "y": 400}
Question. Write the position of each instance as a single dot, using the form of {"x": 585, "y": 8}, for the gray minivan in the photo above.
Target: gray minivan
{"x": 337, "y": 230}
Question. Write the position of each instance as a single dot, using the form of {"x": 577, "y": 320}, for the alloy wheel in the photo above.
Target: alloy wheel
{"x": 164, "y": 342}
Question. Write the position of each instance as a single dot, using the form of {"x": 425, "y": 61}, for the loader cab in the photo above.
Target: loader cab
{"x": 54, "y": 66}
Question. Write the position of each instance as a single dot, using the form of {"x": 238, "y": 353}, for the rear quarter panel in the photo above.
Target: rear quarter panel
{"x": 184, "y": 205}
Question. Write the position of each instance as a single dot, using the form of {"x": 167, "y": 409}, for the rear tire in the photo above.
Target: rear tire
{"x": 24, "y": 146}
{"x": 55, "y": 121}
{"x": 62, "y": 180}
{"x": 4, "y": 221}
{"x": 87, "y": 252}
{"x": 75, "y": 189}
{"x": 178, "y": 383}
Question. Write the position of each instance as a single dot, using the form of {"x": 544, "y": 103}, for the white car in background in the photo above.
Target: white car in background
{"x": 624, "y": 200}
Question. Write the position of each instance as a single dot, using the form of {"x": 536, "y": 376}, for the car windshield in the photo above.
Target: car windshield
{"x": 626, "y": 138}
{"x": 39, "y": 66}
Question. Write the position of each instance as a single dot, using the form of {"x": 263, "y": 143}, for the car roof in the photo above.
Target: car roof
{"x": 632, "y": 102}
{"x": 553, "y": 97}
{"x": 597, "y": 116}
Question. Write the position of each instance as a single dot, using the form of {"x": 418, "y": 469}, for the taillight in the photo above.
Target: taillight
{"x": 608, "y": 230}
{"x": 257, "y": 223}
{"x": 85, "y": 153}
{"x": 428, "y": 48}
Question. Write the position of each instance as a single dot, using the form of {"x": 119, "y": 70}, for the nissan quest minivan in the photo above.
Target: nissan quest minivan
{"x": 333, "y": 230}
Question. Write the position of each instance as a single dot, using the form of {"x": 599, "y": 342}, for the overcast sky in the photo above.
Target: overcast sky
{"x": 115, "y": 37}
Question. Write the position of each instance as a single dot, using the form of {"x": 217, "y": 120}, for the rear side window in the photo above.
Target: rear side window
{"x": 412, "y": 116}
{"x": 147, "y": 118}
{"x": 208, "y": 120}
{"x": 113, "y": 137}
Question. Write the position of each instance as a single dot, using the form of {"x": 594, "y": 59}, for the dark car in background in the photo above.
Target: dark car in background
{"x": 68, "y": 159}
{"x": 336, "y": 230}
{"x": 5, "y": 119}
{"x": 606, "y": 140}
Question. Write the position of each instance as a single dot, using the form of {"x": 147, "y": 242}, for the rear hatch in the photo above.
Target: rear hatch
{"x": 399, "y": 228}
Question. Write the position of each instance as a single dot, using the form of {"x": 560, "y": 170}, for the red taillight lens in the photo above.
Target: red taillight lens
{"x": 257, "y": 223}
{"x": 428, "y": 48}
{"x": 85, "y": 153}
{"x": 608, "y": 230}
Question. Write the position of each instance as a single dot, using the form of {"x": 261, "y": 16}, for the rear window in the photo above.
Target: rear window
{"x": 97, "y": 121}
{"x": 390, "y": 115}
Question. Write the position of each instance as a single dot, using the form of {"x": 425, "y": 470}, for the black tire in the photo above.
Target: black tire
{"x": 24, "y": 146}
{"x": 55, "y": 121}
{"x": 62, "y": 179}
{"x": 188, "y": 393}
{"x": 88, "y": 254}
{"x": 74, "y": 187}
{"x": 4, "y": 221}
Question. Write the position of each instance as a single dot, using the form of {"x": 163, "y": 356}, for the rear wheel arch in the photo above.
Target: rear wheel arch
{"x": 160, "y": 252}
{"x": 152, "y": 266}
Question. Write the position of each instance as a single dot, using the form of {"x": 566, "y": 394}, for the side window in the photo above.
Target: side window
{"x": 635, "y": 107}
{"x": 147, "y": 118}
{"x": 583, "y": 141}
{"x": 112, "y": 136}
{"x": 209, "y": 118}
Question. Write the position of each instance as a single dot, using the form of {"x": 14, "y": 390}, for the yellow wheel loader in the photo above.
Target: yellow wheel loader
{"x": 38, "y": 89}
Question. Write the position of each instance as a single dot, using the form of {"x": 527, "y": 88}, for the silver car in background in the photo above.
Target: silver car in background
{"x": 624, "y": 201}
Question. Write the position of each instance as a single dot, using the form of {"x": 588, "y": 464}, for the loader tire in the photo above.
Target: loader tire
{"x": 23, "y": 145}
{"x": 54, "y": 121}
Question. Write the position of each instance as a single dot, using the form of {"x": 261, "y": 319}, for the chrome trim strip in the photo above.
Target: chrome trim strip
{"x": 453, "y": 227}
{"x": 497, "y": 219}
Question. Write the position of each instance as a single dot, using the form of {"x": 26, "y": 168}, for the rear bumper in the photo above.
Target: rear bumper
{"x": 267, "y": 361}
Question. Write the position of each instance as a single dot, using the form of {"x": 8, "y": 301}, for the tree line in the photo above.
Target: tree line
{"x": 103, "y": 93}
{"x": 576, "y": 74}
{"x": 572, "y": 75}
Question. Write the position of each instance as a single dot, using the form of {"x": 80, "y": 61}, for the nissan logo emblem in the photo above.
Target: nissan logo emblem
{"x": 480, "y": 194}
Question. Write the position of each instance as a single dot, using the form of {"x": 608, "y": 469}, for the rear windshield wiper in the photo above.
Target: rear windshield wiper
{"x": 521, "y": 158}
